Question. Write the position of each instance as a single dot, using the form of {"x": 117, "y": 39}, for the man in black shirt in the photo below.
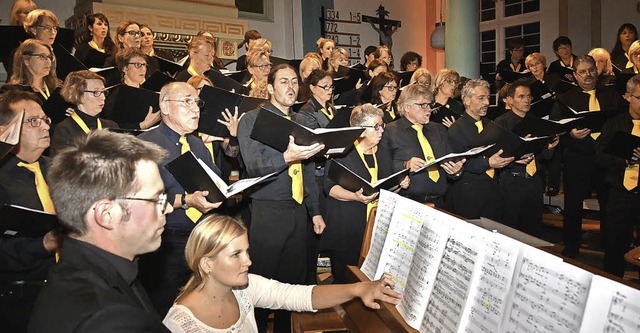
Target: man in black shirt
{"x": 476, "y": 194}
{"x": 581, "y": 175}
{"x": 521, "y": 185}
{"x": 110, "y": 198}
{"x": 622, "y": 180}
{"x": 280, "y": 208}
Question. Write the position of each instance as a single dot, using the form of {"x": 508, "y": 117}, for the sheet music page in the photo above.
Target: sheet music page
{"x": 611, "y": 307}
{"x": 490, "y": 287}
{"x": 386, "y": 205}
{"x": 449, "y": 294}
{"x": 404, "y": 231}
{"x": 424, "y": 266}
{"x": 548, "y": 296}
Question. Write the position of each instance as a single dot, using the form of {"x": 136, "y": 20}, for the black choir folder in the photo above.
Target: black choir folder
{"x": 439, "y": 113}
{"x": 352, "y": 182}
{"x": 622, "y": 145}
{"x": 511, "y": 144}
{"x": 132, "y": 104}
{"x": 10, "y": 137}
{"x": 16, "y": 221}
{"x": 274, "y": 130}
{"x": 457, "y": 277}
{"x": 454, "y": 157}
{"x": 194, "y": 175}
{"x": 216, "y": 100}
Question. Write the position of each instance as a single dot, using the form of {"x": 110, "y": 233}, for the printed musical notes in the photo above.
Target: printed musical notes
{"x": 611, "y": 307}
{"x": 386, "y": 205}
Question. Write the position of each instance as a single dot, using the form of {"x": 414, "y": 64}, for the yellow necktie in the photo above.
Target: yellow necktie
{"x": 491, "y": 172}
{"x": 629, "y": 63}
{"x": 192, "y": 71}
{"x": 328, "y": 112}
{"x": 594, "y": 105}
{"x": 434, "y": 174}
{"x": 630, "y": 180}
{"x": 209, "y": 146}
{"x": 82, "y": 124}
{"x": 373, "y": 172}
{"x": 392, "y": 112}
{"x": 41, "y": 186}
{"x": 297, "y": 184}
{"x": 531, "y": 167}
{"x": 515, "y": 68}
{"x": 193, "y": 214}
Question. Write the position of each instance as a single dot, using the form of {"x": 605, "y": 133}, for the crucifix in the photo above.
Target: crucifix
{"x": 386, "y": 28}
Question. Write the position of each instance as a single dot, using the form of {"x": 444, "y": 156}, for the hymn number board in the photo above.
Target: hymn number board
{"x": 340, "y": 26}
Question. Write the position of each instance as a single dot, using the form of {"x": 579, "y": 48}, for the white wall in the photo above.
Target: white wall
{"x": 624, "y": 11}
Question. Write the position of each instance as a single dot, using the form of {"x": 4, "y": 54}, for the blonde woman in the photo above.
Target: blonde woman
{"x": 221, "y": 294}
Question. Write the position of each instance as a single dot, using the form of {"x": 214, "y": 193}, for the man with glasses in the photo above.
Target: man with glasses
{"x": 165, "y": 271}
{"x": 24, "y": 262}
{"x": 476, "y": 193}
{"x": 110, "y": 198}
{"x": 622, "y": 179}
{"x": 581, "y": 174}
{"x": 280, "y": 209}
{"x": 412, "y": 141}
{"x": 515, "y": 61}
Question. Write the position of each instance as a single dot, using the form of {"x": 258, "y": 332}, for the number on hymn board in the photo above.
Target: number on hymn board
{"x": 332, "y": 27}
{"x": 335, "y": 38}
{"x": 333, "y": 14}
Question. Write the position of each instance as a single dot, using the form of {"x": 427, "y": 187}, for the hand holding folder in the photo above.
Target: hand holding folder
{"x": 194, "y": 175}
{"x": 10, "y": 137}
{"x": 17, "y": 221}
{"x": 624, "y": 145}
{"x": 349, "y": 180}
{"x": 274, "y": 130}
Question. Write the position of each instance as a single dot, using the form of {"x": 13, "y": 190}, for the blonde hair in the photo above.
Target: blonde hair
{"x": 321, "y": 41}
{"x": 210, "y": 236}
{"x": 420, "y": 72}
{"x": 20, "y": 5}
{"x": 443, "y": 75}
{"x": 599, "y": 52}
{"x": 533, "y": 57}
{"x": 335, "y": 54}
{"x": 36, "y": 16}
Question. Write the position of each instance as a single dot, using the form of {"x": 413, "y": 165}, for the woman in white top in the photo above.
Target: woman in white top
{"x": 221, "y": 294}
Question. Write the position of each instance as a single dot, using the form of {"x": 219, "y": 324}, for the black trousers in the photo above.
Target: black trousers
{"x": 623, "y": 216}
{"x": 278, "y": 242}
{"x": 522, "y": 201}
{"x": 581, "y": 178}
{"x": 476, "y": 198}
{"x": 164, "y": 272}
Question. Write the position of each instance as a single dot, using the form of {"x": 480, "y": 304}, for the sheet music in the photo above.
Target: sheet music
{"x": 611, "y": 307}
{"x": 386, "y": 205}
{"x": 424, "y": 267}
{"x": 451, "y": 286}
{"x": 548, "y": 296}
{"x": 404, "y": 231}
{"x": 491, "y": 286}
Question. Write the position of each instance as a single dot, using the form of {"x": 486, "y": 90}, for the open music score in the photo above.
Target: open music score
{"x": 337, "y": 27}
{"x": 456, "y": 277}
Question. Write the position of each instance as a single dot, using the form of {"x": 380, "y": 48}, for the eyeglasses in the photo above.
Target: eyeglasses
{"x": 263, "y": 67}
{"x": 161, "y": 200}
{"x": 423, "y": 105}
{"x": 636, "y": 97}
{"x": 375, "y": 127}
{"x": 327, "y": 88}
{"x": 535, "y": 64}
{"x": 48, "y": 28}
{"x": 42, "y": 56}
{"x": 97, "y": 93}
{"x": 391, "y": 88}
{"x": 138, "y": 65}
{"x": 584, "y": 72}
{"x": 134, "y": 33}
{"x": 188, "y": 102}
{"x": 36, "y": 122}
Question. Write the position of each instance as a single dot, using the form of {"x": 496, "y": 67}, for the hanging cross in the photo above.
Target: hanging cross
{"x": 386, "y": 28}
